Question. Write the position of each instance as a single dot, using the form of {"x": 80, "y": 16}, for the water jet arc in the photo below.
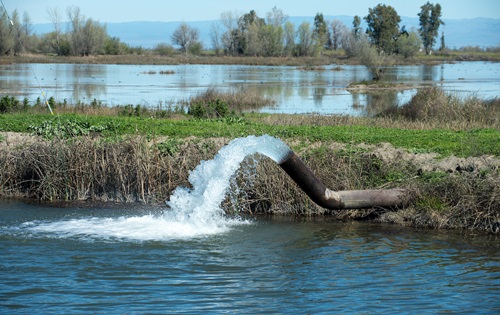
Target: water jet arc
{"x": 338, "y": 200}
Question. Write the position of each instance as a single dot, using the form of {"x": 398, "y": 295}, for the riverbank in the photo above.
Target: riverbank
{"x": 335, "y": 57}
{"x": 444, "y": 192}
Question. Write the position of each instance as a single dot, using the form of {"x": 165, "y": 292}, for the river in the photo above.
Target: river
{"x": 259, "y": 266}
{"x": 295, "y": 90}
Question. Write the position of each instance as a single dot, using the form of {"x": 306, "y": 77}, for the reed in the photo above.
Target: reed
{"x": 236, "y": 101}
{"x": 148, "y": 170}
{"x": 88, "y": 169}
{"x": 433, "y": 106}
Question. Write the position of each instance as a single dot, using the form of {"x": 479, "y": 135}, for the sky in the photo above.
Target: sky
{"x": 199, "y": 10}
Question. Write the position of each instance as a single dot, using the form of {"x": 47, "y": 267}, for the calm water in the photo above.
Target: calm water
{"x": 257, "y": 266}
{"x": 295, "y": 90}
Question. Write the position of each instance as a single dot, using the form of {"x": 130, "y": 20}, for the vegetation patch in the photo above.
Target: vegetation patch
{"x": 67, "y": 128}
{"x": 377, "y": 86}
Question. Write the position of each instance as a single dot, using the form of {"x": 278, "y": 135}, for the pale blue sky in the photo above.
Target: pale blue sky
{"x": 196, "y": 10}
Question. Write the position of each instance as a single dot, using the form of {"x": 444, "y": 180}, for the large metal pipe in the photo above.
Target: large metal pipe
{"x": 338, "y": 200}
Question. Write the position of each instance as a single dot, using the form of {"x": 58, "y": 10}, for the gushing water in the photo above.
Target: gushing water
{"x": 193, "y": 212}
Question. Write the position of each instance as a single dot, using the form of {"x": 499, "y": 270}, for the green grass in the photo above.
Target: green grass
{"x": 443, "y": 141}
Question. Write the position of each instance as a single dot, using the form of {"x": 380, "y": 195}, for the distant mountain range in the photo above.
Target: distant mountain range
{"x": 482, "y": 32}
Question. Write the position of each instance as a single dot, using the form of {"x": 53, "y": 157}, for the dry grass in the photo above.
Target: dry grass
{"x": 149, "y": 58}
{"x": 434, "y": 107}
{"x": 81, "y": 169}
{"x": 148, "y": 171}
{"x": 237, "y": 101}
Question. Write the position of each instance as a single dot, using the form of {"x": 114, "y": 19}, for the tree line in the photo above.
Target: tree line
{"x": 76, "y": 35}
{"x": 234, "y": 34}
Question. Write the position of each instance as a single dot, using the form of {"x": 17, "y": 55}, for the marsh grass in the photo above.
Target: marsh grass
{"x": 433, "y": 106}
{"x": 132, "y": 169}
{"x": 236, "y": 101}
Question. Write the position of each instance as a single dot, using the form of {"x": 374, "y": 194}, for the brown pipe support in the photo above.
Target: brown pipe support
{"x": 348, "y": 199}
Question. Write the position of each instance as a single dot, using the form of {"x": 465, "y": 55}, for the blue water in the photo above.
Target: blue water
{"x": 295, "y": 90}
{"x": 259, "y": 266}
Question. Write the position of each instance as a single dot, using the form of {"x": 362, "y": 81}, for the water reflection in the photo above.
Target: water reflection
{"x": 296, "y": 90}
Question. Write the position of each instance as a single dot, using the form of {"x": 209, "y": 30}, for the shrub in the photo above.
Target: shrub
{"x": 164, "y": 50}
{"x": 210, "y": 109}
{"x": 64, "y": 129}
{"x": 9, "y": 104}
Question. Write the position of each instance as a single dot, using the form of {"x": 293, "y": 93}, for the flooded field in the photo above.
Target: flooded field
{"x": 317, "y": 90}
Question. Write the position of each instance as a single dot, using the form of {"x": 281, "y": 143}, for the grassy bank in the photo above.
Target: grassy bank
{"x": 448, "y": 162}
{"x": 328, "y": 57}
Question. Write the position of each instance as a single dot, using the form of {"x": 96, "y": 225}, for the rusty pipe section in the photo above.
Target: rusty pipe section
{"x": 338, "y": 200}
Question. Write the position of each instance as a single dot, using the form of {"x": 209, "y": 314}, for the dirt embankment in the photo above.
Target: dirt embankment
{"x": 426, "y": 162}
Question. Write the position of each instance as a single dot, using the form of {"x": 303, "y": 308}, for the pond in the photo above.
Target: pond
{"x": 62, "y": 261}
{"x": 295, "y": 90}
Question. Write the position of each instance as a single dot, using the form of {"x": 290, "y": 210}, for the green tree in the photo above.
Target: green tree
{"x": 356, "y": 26}
{"x": 274, "y": 34}
{"x": 6, "y": 34}
{"x": 409, "y": 44}
{"x": 272, "y": 40}
{"x": 15, "y": 33}
{"x": 94, "y": 37}
{"x": 163, "y": 49}
{"x": 320, "y": 32}
{"x": 87, "y": 36}
{"x": 383, "y": 28}
{"x": 443, "y": 45}
{"x": 113, "y": 46}
{"x": 370, "y": 57}
{"x": 289, "y": 38}
{"x": 250, "y": 28}
{"x": 305, "y": 46}
{"x": 430, "y": 20}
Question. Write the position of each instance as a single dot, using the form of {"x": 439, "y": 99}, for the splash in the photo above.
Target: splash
{"x": 193, "y": 212}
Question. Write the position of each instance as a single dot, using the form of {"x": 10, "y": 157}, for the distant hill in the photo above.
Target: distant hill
{"x": 482, "y": 32}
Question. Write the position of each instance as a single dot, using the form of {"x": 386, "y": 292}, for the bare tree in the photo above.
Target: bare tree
{"x": 55, "y": 18}
{"x": 230, "y": 37}
{"x": 185, "y": 36}
{"x": 216, "y": 37}
{"x": 76, "y": 20}
{"x": 276, "y": 17}
{"x": 335, "y": 36}
{"x": 25, "y": 32}
{"x": 17, "y": 44}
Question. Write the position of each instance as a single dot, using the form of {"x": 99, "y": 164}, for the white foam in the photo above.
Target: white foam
{"x": 192, "y": 212}
{"x": 143, "y": 228}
